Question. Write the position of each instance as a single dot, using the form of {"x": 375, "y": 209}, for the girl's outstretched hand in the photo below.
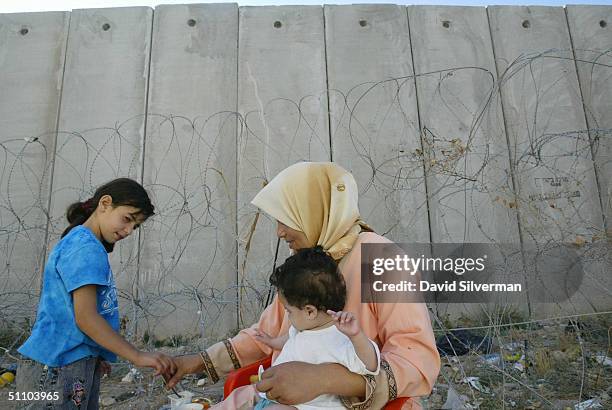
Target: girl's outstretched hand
{"x": 346, "y": 322}
{"x": 163, "y": 364}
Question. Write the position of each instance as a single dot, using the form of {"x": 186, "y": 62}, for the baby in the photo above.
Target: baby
{"x": 313, "y": 292}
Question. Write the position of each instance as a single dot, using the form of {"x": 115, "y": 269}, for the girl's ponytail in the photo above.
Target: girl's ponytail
{"x": 78, "y": 213}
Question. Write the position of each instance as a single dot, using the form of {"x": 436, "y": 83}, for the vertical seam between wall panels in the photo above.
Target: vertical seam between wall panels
{"x": 510, "y": 156}
{"x": 53, "y": 153}
{"x": 586, "y": 123}
{"x": 329, "y": 132}
{"x": 142, "y": 162}
{"x": 416, "y": 97}
{"x": 501, "y": 103}
{"x": 236, "y": 176}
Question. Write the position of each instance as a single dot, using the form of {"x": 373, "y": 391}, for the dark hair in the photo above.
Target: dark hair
{"x": 123, "y": 191}
{"x": 311, "y": 277}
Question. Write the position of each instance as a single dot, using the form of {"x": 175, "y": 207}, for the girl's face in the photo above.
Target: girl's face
{"x": 301, "y": 319}
{"x": 295, "y": 239}
{"x": 118, "y": 222}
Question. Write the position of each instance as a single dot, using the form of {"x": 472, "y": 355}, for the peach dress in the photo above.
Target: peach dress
{"x": 320, "y": 199}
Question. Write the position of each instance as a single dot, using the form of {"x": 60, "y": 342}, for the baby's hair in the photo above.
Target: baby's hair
{"x": 123, "y": 191}
{"x": 311, "y": 277}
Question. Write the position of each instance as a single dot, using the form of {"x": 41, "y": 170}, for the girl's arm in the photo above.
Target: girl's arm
{"x": 94, "y": 326}
{"x": 222, "y": 357}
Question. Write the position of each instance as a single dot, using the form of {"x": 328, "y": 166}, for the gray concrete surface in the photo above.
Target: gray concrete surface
{"x": 205, "y": 103}
{"x": 557, "y": 193}
{"x": 374, "y": 120}
{"x": 101, "y": 119}
{"x": 32, "y": 48}
{"x": 592, "y": 45}
{"x": 190, "y": 169}
{"x": 283, "y": 104}
{"x": 465, "y": 142}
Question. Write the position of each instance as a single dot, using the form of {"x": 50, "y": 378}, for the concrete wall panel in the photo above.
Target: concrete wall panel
{"x": 282, "y": 98}
{"x": 235, "y": 95}
{"x": 557, "y": 195}
{"x": 188, "y": 255}
{"x": 466, "y": 155}
{"x": 101, "y": 122}
{"x": 591, "y": 35}
{"x": 32, "y": 49}
{"x": 373, "y": 116}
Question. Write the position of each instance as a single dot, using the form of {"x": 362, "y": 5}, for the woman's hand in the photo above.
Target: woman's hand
{"x": 187, "y": 364}
{"x": 163, "y": 364}
{"x": 346, "y": 322}
{"x": 292, "y": 382}
{"x": 299, "y": 382}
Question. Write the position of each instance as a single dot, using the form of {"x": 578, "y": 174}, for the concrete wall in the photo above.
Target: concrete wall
{"x": 460, "y": 124}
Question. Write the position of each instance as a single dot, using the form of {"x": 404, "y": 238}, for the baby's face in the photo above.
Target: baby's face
{"x": 299, "y": 318}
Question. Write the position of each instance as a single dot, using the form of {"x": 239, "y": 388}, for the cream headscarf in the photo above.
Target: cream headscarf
{"x": 319, "y": 199}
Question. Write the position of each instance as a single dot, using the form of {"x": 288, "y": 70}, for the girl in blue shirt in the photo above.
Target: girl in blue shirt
{"x": 76, "y": 329}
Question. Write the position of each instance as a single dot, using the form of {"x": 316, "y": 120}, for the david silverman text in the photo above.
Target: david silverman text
{"x": 464, "y": 286}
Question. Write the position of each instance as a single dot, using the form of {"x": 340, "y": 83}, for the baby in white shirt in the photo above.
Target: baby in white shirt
{"x": 313, "y": 292}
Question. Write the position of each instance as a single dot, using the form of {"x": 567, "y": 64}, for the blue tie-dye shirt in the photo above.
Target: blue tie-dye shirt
{"x": 77, "y": 260}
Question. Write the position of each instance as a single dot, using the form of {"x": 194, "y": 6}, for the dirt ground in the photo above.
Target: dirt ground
{"x": 551, "y": 365}
{"x": 144, "y": 392}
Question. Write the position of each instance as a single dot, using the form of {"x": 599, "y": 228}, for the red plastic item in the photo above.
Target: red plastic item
{"x": 397, "y": 403}
{"x": 242, "y": 376}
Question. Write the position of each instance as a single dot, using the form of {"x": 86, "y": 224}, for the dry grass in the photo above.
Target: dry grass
{"x": 557, "y": 369}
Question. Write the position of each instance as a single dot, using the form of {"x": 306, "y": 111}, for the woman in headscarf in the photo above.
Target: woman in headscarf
{"x": 316, "y": 204}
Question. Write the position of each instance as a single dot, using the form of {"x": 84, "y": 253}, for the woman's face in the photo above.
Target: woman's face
{"x": 296, "y": 240}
